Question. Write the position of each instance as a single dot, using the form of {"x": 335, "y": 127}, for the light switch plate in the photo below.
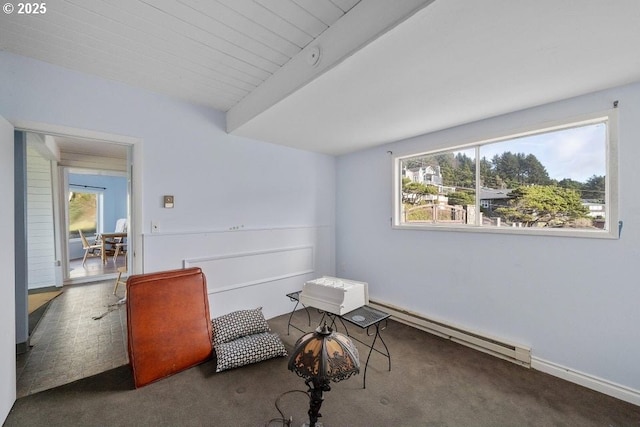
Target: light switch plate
{"x": 168, "y": 201}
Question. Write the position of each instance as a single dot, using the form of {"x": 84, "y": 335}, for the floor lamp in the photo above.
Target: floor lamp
{"x": 320, "y": 357}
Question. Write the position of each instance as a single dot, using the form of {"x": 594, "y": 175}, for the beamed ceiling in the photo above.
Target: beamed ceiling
{"x": 336, "y": 76}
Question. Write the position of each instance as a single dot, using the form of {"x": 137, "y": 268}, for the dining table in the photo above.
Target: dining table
{"x": 103, "y": 242}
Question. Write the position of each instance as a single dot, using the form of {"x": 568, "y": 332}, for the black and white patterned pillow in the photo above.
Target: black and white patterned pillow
{"x": 238, "y": 324}
{"x": 250, "y": 349}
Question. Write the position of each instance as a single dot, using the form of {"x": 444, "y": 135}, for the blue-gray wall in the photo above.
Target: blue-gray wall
{"x": 574, "y": 301}
{"x": 21, "y": 264}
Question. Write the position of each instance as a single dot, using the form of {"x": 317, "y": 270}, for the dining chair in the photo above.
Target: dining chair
{"x": 92, "y": 249}
{"x": 120, "y": 247}
{"x": 118, "y": 244}
{"x": 121, "y": 281}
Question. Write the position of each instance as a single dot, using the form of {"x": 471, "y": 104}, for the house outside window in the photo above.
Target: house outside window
{"x": 559, "y": 180}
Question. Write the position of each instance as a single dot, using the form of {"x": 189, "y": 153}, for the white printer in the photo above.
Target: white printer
{"x": 335, "y": 295}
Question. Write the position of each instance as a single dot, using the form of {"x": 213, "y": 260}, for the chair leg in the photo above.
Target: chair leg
{"x": 117, "y": 282}
{"x": 84, "y": 259}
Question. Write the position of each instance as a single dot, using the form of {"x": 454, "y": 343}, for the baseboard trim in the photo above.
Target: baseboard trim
{"x": 594, "y": 383}
{"x": 22, "y": 347}
{"x": 495, "y": 346}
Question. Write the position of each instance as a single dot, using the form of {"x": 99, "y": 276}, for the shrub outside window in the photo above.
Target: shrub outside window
{"x": 559, "y": 180}
{"x": 84, "y": 213}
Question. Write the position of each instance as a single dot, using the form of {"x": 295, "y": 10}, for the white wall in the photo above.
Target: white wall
{"x": 574, "y": 301}
{"x": 41, "y": 244}
{"x": 219, "y": 181}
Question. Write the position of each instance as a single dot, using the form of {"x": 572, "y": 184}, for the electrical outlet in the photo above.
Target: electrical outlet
{"x": 155, "y": 226}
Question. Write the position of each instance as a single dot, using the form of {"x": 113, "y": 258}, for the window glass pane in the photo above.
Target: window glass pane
{"x": 545, "y": 182}
{"x": 549, "y": 180}
{"x": 83, "y": 214}
{"x": 439, "y": 188}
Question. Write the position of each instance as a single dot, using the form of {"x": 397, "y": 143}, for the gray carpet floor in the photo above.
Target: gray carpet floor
{"x": 433, "y": 382}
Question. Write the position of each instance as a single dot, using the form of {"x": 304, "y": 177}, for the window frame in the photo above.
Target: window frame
{"x": 612, "y": 229}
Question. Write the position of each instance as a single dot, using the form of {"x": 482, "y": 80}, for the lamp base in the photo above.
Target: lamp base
{"x": 318, "y": 424}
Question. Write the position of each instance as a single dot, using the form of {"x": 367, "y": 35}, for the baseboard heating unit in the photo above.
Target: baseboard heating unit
{"x": 515, "y": 353}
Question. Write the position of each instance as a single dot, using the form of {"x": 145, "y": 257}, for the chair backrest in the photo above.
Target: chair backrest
{"x": 85, "y": 243}
{"x": 168, "y": 323}
{"x": 121, "y": 225}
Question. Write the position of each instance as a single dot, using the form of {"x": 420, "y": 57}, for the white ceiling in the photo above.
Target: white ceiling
{"x": 82, "y": 146}
{"x": 209, "y": 52}
{"x": 387, "y": 70}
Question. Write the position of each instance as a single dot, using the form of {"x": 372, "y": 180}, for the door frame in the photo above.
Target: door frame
{"x": 134, "y": 166}
{"x": 7, "y": 265}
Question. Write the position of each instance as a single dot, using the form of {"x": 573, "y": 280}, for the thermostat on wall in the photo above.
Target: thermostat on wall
{"x": 168, "y": 201}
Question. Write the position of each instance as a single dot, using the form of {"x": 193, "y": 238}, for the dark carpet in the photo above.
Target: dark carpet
{"x": 433, "y": 382}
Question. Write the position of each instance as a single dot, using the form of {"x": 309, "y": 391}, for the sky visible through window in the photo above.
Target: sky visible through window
{"x": 576, "y": 153}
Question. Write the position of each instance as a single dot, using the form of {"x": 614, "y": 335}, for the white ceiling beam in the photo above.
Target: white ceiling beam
{"x": 367, "y": 21}
{"x": 45, "y": 145}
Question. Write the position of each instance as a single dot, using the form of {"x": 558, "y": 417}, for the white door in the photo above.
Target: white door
{"x": 7, "y": 278}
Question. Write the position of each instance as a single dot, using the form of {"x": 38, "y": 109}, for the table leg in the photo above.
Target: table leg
{"x": 297, "y": 300}
{"x": 308, "y": 315}
{"x": 291, "y": 315}
{"x": 103, "y": 252}
{"x": 371, "y": 348}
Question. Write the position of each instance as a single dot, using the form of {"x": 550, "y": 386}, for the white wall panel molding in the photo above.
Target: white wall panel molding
{"x": 249, "y": 268}
{"x": 234, "y": 271}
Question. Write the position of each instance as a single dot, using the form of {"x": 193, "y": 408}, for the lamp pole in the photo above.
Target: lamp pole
{"x": 316, "y": 387}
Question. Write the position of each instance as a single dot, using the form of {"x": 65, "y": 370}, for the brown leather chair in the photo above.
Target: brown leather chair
{"x": 168, "y": 323}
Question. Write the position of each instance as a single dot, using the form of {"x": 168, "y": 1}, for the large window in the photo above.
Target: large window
{"x": 84, "y": 213}
{"x": 558, "y": 180}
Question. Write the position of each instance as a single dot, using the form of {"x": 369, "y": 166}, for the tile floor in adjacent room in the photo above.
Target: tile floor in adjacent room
{"x": 82, "y": 333}
{"x": 94, "y": 267}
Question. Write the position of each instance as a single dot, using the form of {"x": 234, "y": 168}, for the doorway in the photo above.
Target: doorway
{"x": 73, "y": 185}
{"x": 83, "y": 152}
